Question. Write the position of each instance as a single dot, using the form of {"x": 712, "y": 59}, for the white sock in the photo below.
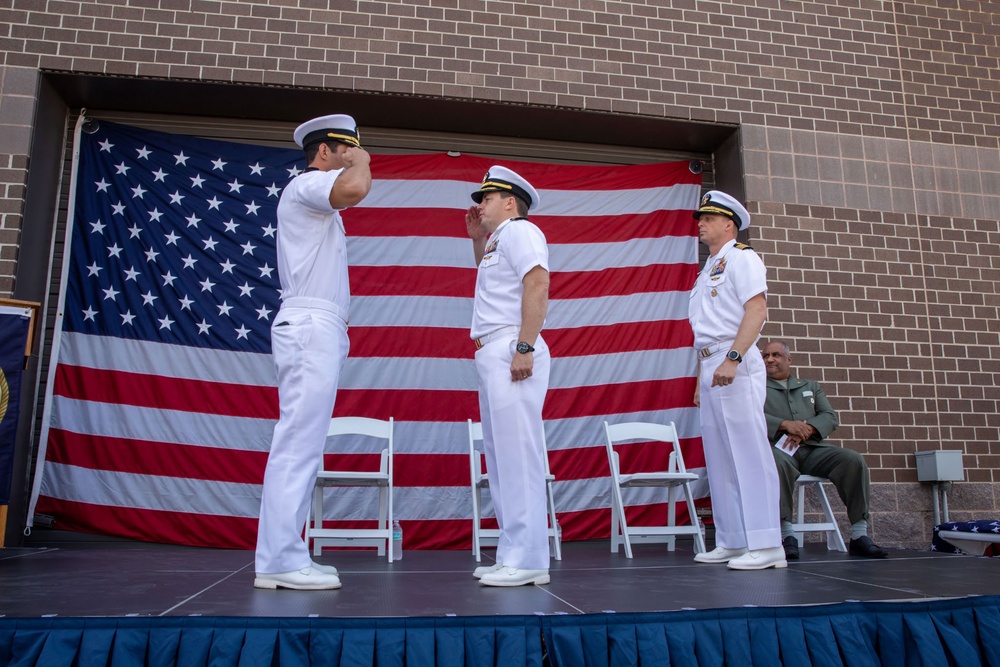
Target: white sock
{"x": 786, "y": 529}
{"x": 859, "y": 529}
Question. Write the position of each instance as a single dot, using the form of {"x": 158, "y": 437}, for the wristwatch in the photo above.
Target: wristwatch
{"x": 735, "y": 356}
{"x": 524, "y": 348}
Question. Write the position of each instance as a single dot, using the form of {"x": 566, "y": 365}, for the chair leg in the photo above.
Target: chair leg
{"x": 834, "y": 540}
{"x": 317, "y": 520}
{"x": 619, "y": 525}
{"x": 800, "y": 511}
{"x": 671, "y": 515}
{"x": 554, "y": 523}
{"x": 384, "y": 548}
{"x": 477, "y": 519}
{"x": 699, "y": 537}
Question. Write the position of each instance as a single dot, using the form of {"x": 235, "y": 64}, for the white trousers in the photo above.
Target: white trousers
{"x": 741, "y": 472}
{"x": 513, "y": 440}
{"x": 309, "y": 353}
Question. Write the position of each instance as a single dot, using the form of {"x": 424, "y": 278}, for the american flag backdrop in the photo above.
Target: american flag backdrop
{"x": 162, "y": 398}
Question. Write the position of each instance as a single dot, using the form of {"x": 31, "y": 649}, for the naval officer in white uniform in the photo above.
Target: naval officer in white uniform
{"x": 309, "y": 343}
{"x": 727, "y": 310}
{"x": 512, "y": 361}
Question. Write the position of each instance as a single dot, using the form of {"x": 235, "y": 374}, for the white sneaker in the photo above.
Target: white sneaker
{"x": 306, "y": 579}
{"x": 325, "y": 569}
{"x": 719, "y": 555}
{"x": 511, "y": 576}
{"x": 760, "y": 559}
{"x": 486, "y": 569}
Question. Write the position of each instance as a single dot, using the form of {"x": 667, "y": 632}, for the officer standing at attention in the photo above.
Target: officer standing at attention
{"x": 309, "y": 342}
{"x": 512, "y": 361}
{"x": 727, "y": 310}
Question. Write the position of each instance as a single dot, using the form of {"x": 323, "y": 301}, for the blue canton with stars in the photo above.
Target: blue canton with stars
{"x": 174, "y": 239}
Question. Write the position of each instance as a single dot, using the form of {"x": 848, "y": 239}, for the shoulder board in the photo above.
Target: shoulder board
{"x": 743, "y": 246}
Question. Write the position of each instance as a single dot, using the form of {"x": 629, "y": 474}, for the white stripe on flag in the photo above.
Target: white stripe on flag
{"x": 147, "y": 358}
{"x": 180, "y": 494}
{"x": 403, "y": 194}
{"x": 247, "y": 434}
{"x": 457, "y": 253}
{"x": 456, "y": 313}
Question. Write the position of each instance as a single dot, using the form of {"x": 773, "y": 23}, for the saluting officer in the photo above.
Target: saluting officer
{"x": 309, "y": 342}
{"x": 727, "y": 310}
{"x": 512, "y": 361}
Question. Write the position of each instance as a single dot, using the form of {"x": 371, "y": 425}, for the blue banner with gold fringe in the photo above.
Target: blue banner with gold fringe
{"x": 13, "y": 337}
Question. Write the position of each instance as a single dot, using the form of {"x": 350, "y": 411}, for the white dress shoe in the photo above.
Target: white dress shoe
{"x": 486, "y": 569}
{"x": 325, "y": 569}
{"x": 511, "y": 576}
{"x": 306, "y": 579}
{"x": 719, "y": 555}
{"x": 760, "y": 559}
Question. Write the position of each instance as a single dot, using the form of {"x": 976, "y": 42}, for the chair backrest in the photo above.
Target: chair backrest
{"x": 618, "y": 433}
{"x": 476, "y": 435}
{"x": 365, "y": 426}
{"x": 376, "y": 428}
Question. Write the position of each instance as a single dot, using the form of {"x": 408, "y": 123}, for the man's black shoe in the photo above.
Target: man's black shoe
{"x": 791, "y": 546}
{"x": 863, "y": 546}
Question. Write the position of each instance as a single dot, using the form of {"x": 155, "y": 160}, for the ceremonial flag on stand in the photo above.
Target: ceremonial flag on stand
{"x": 162, "y": 401}
{"x": 14, "y": 326}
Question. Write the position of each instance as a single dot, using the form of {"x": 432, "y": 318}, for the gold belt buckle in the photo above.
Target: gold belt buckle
{"x": 479, "y": 343}
{"x": 706, "y": 351}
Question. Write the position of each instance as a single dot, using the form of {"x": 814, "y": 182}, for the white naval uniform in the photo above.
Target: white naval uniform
{"x": 309, "y": 344}
{"x": 511, "y": 412}
{"x": 741, "y": 472}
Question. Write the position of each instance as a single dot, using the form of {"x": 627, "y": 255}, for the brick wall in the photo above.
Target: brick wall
{"x": 871, "y": 148}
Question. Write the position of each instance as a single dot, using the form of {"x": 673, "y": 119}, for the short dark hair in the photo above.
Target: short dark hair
{"x": 312, "y": 149}
{"x": 522, "y": 206}
{"x": 783, "y": 344}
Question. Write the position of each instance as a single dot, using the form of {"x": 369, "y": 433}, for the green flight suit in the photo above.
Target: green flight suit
{"x": 804, "y": 400}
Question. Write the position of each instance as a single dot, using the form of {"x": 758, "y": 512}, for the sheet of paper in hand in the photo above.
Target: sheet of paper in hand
{"x": 787, "y": 447}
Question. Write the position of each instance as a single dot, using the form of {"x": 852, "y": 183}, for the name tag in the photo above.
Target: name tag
{"x": 807, "y": 393}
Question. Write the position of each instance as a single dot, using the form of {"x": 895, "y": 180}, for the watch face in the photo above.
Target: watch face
{"x": 734, "y": 355}
{"x": 524, "y": 348}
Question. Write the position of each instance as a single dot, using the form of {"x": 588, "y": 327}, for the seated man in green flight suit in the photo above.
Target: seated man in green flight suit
{"x": 799, "y": 419}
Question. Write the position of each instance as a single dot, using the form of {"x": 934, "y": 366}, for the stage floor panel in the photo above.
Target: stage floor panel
{"x": 130, "y": 579}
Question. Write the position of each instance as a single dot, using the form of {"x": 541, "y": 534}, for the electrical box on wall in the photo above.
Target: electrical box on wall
{"x": 940, "y": 465}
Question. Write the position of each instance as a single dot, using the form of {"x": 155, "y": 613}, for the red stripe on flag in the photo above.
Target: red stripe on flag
{"x": 408, "y": 469}
{"x": 411, "y": 405}
{"x": 590, "y": 462}
{"x": 406, "y": 342}
{"x": 450, "y": 223}
{"x": 450, "y": 343}
{"x": 412, "y": 281}
{"x": 619, "y": 398}
{"x": 471, "y": 168}
{"x": 621, "y": 281}
{"x": 617, "y": 338}
{"x": 457, "y": 282}
{"x": 197, "y": 530}
{"x": 166, "y": 393}
{"x": 146, "y": 457}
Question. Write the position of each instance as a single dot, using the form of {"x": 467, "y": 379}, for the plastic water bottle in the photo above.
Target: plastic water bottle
{"x": 397, "y": 541}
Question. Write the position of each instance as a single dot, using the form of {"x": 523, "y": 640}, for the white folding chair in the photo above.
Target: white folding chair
{"x": 381, "y": 479}
{"x": 834, "y": 540}
{"x": 676, "y": 478}
{"x": 490, "y": 536}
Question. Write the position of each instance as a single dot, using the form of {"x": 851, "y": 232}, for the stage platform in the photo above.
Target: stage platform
{"x": 83, "y": 587}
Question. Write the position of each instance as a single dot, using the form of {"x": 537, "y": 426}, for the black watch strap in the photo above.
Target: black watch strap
{"x": 524, "y": 348}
